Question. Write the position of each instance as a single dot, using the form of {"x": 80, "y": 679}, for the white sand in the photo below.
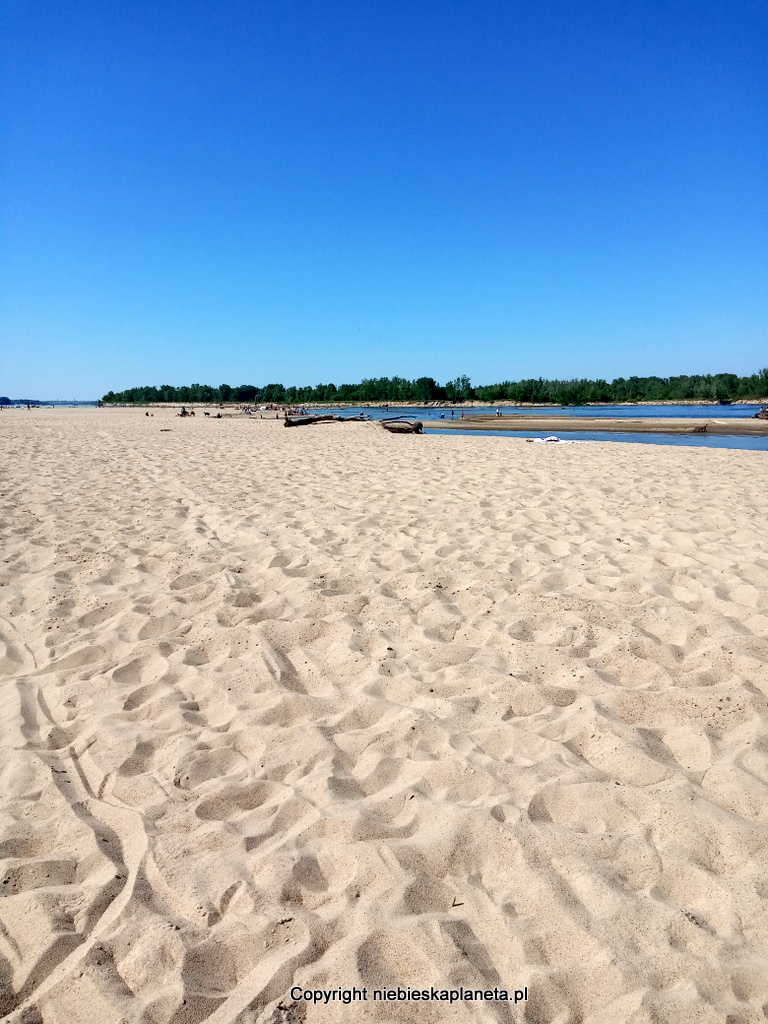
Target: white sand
{"x": 328, "y": 707}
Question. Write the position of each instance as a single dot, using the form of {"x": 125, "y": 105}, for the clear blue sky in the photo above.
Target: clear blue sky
{"x": 257, "y": 191}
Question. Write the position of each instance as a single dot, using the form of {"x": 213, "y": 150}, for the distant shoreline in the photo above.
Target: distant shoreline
{"x": 473, "y": 404}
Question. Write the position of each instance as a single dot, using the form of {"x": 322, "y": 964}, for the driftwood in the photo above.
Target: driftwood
{"x": 396, "y": 426}
{"x": 305, "y": 421}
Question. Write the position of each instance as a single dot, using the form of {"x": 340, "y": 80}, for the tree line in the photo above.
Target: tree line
{"x": 718, "y": 387}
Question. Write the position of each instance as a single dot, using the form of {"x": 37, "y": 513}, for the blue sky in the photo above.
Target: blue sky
{"x": 323, "y": 191}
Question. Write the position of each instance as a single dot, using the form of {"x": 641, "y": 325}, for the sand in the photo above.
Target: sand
{"x": 330, "y": 708}
{"x": 605, "y": 424}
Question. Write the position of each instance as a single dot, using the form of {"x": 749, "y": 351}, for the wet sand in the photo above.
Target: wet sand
{"x": 567, "y": 424}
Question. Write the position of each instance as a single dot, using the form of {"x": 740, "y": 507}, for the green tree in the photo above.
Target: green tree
{"x": 458, "y": 390}
{"x": 425, "y": 389}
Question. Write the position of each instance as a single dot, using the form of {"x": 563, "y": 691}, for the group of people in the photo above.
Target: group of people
{"x": 286, "y": 410}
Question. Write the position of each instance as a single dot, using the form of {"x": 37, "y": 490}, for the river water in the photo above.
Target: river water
{"x": 612, "y": 411}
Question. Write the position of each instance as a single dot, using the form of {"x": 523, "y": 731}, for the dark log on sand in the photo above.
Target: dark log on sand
{"x": 305, "y": 421}
{"x": 403, "y": 426}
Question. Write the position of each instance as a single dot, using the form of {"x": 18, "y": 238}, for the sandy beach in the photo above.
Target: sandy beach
{"x": 316, "y": 710}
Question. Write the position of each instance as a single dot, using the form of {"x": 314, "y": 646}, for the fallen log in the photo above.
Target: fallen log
{"x": 305, "y": 421}
{"x": 403, "y": 426}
